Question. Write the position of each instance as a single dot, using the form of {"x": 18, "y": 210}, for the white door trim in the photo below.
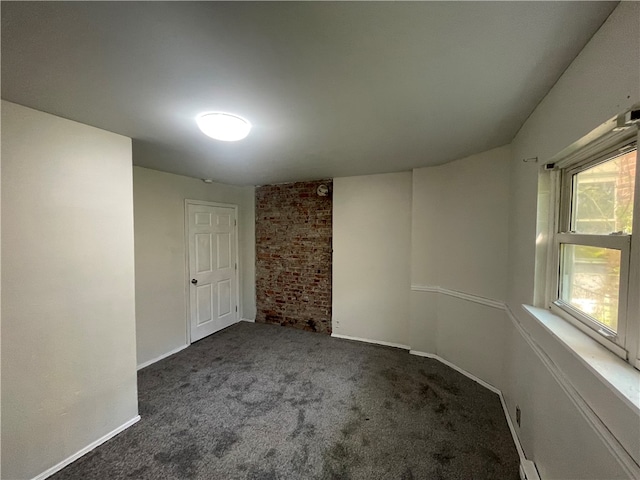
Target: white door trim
{"x": 187, "y": 278}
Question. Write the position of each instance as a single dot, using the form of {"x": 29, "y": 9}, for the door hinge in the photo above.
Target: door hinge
{"x": 235, "y": 222}
{"x": 236, "y": 266}
{"x": 236, "y": 308}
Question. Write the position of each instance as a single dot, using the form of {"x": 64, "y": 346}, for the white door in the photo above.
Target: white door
{"x": 212, "y": 269}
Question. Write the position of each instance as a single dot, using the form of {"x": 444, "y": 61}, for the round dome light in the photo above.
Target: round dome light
{"x": 223, "y": 126}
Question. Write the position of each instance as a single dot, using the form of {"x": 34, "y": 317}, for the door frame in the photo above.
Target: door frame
{"x": 187, "y": 282}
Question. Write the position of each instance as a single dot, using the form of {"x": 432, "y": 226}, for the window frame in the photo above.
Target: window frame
{"x": 625, "y": 342}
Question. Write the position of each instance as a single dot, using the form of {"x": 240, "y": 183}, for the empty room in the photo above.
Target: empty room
{"x": 320, "y": 240}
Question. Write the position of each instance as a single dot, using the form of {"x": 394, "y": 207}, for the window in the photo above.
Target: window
{"x": 595, "y": 263}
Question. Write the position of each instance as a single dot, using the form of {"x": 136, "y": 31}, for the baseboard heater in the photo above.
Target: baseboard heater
{"x": 528, "y": 470}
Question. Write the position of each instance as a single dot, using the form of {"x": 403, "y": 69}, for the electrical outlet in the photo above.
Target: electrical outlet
{"x": 518, "y": 415}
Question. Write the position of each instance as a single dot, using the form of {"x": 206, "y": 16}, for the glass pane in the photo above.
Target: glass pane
{"x": 603, "y": 196}
{"x": 591, "y": 282}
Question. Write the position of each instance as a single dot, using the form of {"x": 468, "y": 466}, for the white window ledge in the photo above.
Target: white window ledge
{"x": 618, "y": 375}
{"x": 604, "y": 388}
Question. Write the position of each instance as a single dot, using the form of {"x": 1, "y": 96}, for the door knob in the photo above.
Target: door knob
{"x": 194, "y": 281}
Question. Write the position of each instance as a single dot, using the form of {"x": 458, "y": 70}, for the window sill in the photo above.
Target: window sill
{"x": 604, "y": 388}
{"x": 616, "y": 374}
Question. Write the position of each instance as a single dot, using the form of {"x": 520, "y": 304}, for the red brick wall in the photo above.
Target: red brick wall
{"x": 293, "y": 255}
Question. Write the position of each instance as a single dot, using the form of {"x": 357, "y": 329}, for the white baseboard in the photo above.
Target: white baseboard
{"x": 375, "y": 342}
{"x": 247, "y": 320}
{"x": 165, "y": 355}
{"x": 623, "y": 457}
{"x": 527, "y": 467}
{"x": 457, "y": 369}
{"x": 614, "y": 446}
{"x": 523, "y": 459}
{"x": 56, "y": 468}
{"x": 528, "y": 470}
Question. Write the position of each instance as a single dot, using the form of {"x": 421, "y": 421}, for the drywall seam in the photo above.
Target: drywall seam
{"x": 489, "y": 302}
{"x": 85, "y": 450}
{"x": 375, "y": 342}
{"x": 161, "y": 357}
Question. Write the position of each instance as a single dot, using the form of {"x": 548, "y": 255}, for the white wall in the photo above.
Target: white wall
{"x": 600, "y": 83}
{"x": 474, "y": 232}
{"x": 459, "y": 224}
{"x": 603, "y": 81}
{"x": 68, "y": 310}
{"x": 553, "y": 432}
{"x": 161, "y": 305}
{"x": 371, "y": 247}
{"x": 387, "y": 261}
{"x": 459, "y": 243}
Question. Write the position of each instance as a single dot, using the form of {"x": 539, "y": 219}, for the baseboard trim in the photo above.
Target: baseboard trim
{"x": 527, "y": 467}
{"x": 489, "y": 302}
{"x": 516, "y": 440}
{"x": 611, "y": 442}
{"x": 613, "y": 445}
{"x": 56, "y": 468}
{"x": 457, "y": 369}
{"x": 375, "y": 342}
{"x": 247, "y": 320}
{"x": 528, "y": 471}
{"x": 161, "y": 357}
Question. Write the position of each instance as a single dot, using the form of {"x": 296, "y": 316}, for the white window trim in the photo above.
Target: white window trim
{"x": 633, "y": 301}
{"x": 626, "y": 343}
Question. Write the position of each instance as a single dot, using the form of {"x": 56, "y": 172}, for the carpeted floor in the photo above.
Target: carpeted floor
{"x": 266, "y": 402}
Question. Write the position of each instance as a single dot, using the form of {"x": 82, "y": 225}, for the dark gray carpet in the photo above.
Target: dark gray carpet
{"x": 266, "y": 402}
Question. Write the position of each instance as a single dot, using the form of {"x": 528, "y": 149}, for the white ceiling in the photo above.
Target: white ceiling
{"x": 332, "y": 88}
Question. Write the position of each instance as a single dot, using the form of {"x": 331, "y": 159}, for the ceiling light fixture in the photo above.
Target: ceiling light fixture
{"x": 223, "y": 126}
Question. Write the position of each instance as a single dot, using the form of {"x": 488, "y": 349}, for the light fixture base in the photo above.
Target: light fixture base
{"x": 226, "y": 127}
